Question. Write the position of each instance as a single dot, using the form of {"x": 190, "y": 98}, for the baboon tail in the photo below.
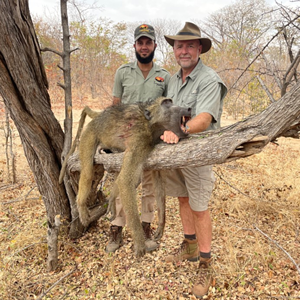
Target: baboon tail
{"x": 92, "y": 114}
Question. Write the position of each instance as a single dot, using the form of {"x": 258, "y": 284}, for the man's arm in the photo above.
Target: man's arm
{"x": 197, "y": 124}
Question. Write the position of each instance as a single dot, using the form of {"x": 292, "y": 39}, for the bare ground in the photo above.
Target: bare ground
{"x": 256, "y": 245}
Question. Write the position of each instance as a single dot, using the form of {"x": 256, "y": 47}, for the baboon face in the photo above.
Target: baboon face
{"x": 162, "y": 113}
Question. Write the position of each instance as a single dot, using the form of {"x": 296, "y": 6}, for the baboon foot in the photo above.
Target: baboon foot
{"x": 84, "y": 215}
{"x": 159, "y": 232}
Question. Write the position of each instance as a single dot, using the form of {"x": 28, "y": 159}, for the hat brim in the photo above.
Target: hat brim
{"x": 205, "y": 42}
{"x": 146, "y": 35}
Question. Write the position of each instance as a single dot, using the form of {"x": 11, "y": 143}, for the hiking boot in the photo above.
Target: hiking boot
{"x": 205, "y": 278}
{"x": 188, "y": 250}
{"x": 115, "y": 240}
{"x": 149, "y": 242}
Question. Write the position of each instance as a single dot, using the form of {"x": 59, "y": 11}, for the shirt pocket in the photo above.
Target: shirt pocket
{"x": 191, "y": 102}
{"x": 129, "y": 94}
{"x": 159, "y": 89}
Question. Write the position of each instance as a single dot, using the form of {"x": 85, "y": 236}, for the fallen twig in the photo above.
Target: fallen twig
{"x": 29, "y": 246}
{"x": 55, "y": 284}
{"x": 13, "y": 186}
{"x": 278, "y": 246}
{"x": 228, "y": 183}
{"x": 22, "y": 198}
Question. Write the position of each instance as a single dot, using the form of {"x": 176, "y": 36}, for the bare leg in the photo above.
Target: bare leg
{"x": 198, "y": 223}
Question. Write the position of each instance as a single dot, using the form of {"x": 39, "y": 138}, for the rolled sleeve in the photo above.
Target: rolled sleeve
{"x": 209, "y": 100}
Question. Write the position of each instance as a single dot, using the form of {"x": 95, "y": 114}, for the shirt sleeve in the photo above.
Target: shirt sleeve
{"x": 210, "y": 100}
{"x": 167, "y": 79}
{"x": 118, "y": 88}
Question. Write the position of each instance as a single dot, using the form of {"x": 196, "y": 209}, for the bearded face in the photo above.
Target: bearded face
{"x": 144, "y": 49}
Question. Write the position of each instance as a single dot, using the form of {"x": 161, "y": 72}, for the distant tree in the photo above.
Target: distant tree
{"x": 102, "y": 50}
{"x": 253, "y": 53}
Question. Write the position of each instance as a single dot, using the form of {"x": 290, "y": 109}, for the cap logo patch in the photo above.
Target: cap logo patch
{"x": 144, "y": 28}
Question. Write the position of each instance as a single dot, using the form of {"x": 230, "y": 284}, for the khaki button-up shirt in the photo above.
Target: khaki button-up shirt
{"x": 131, "y": 86}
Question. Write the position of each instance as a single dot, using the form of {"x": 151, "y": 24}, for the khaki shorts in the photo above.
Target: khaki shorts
{"x": 197, "y": 183}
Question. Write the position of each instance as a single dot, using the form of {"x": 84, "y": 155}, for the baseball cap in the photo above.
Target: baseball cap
{"x": 144, "y": 30}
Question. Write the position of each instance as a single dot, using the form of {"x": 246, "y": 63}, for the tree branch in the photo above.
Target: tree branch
{"x": 229, "y": 143}
{"x": 52, "y": 50}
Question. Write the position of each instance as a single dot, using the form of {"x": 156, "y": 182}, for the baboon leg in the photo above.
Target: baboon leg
{"x": 127, "y": 181}
{"x": 160, "y": 197}
{"x": 91, "y": 113}
{"x": 84, "y": 188}
{"x": 114, "y": 193}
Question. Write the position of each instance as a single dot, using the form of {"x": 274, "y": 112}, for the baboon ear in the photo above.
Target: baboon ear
{"x": 168, "y": 102}
{"x": 147, "y": 114}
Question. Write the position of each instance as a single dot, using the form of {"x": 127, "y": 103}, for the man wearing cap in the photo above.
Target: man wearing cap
{"x": 199, "y": 87}
{"x": 138, "y": 81}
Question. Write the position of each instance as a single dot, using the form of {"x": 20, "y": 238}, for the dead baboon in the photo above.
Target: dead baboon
{"x": 135, "y": 129}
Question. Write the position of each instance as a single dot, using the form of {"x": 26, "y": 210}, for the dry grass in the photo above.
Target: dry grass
{"x": 255, "y": 210}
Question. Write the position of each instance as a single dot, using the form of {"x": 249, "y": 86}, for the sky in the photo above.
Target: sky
{"x": 137, "y": 10}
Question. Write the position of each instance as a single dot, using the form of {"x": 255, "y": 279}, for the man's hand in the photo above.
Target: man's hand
{"x": 169, "y": 137}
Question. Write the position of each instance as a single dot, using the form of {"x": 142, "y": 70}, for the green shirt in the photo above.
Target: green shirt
{"x": 203, "y": 91}
{"x": 131, "y": 86}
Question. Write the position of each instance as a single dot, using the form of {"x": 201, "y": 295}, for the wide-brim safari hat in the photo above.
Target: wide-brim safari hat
{"x": 190, "y": 31}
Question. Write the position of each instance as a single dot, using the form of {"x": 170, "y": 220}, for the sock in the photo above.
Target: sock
{"x": 205, "y": 254}
{"x": 190, "y": 236}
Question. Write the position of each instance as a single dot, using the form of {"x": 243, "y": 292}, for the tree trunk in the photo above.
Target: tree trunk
{"x": 23, "y": 86}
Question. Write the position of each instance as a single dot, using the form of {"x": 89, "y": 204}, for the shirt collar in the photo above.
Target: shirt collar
{"x": 155, "y": 66}
{"x": 194, "y": 73}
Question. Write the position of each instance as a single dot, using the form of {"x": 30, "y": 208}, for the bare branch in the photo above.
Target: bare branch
{"x": 266, "y": 45}
{"x": 56, "y": 283}
{"x": 265, "y": 89}
{"x": 52, "y": 50}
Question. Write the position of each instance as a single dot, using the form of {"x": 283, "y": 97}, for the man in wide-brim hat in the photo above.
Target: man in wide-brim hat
{"x": 199, "y": 87}
{"x": 190, "y": 32}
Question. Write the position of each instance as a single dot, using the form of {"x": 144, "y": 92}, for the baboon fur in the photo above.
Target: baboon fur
{"x": 135, "y": 129}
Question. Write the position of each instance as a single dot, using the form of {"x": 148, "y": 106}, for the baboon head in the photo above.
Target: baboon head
{"x": 163, "y": 115}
